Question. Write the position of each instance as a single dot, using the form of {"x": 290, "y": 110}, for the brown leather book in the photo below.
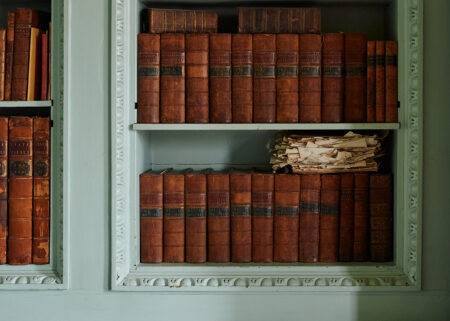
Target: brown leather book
{"x": 241, "y": 216}
{"x": 264, "y": 82}
{"x": 218, "y": 217}
{"x": 262, "y": 217}
{"x": 242, "y": 77}
{"x": 172, "y": 93}
{"x": 355, "y": 78}
{"x": 371, "y": 74}
{"x": 45, "y": 62}
{"x": 287, "y": 78}
{"x": 148, "y": 78}
{"x": 195, "y": 207}
{"x": 151, "y": 216}
{"x": 361, "y": 218}
{"x": 333, "y": 78}
{"x": 220, "y": 77}
{"x": 175, "y": 20}
{"x": 285, "y": 241}
{"x": 3, "y": 187}
{"x": 20, "y": 190}
{"x": 329, "y": 219}
{"x": 346, "y": 221}
{"x": 379, "y": 82}
{"x": 310, "y": 80}
{"x": 309, "y": 218}
{"x": 391, "y": 82}
{"x": 173, "y": 217}
{"x": 197, "y": 88}
{"x": 34, "y": 66}
{"x": 9, "y": 54}
{"x": 2, "y": 62}
{"x": 381, "y": 217}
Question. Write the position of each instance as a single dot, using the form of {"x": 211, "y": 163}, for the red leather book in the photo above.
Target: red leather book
{"x": 242, "y": 77}
{"x": 241, "y": 216}
{"x": 220, "y": 77}
{"x": 172, "y": 93}
{"x": 346, "y": 221}
{"x": 329, "y": 219}
{"x": 44, "y": 71}
{"x": 2, "y": 62}
{"x": 379, "y": 82}
{"x": 20, "y": 190}
{"x": 264, "y": 83}
{"x": 262, "y": 217}
{"x": 310, "y": 79}
{"x": 381, "y": 217}
{"x": 371, "y": 75}
{"x": 195, "y": 206}
{"x": 197, "y": 89}
{"x": 151, "y": 216}
{"x": 391, "y": 82}
{"x": 287, "y": 78}
{"x": 3, "y": 187}
{"x": 9, "y": 54}
{"x": 309, "y": 218}
{"x": 148, "y": 78}
{"x": 173, "y": 218}
{"x": 287, "y": 194}
{"x": 355, "y": 78}
{"x": 361, "y": 218}
{"x": 333, "y": 78}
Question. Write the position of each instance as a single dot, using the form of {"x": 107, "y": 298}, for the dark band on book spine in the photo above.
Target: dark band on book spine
{"x": 218, "y": 212}
{"x": 333, "y": 71}
{"x": 220, "y": 71}
{"x": 195, "y": 212}
{"x": 241, "y": 211}
{"x": 370, "y": 61}
{"x": 309, "y": 207}
{"x": 172, "y": 70}
{"x": 287, "y": 72}
{"x": 151, "y": 212}
{"x": 328, "y": 209}
{"x": 264, "y": 72}
{"x": 310, "y": 71}
{"x": 148, "y": 71}
{"x": 262, "y": 211}
{"x": 40, "y": 168}
{"x": 286, "y": 211}
{"x": 391, "y": 60}
{"x": 355, "y": 71}
{"x": 19, "y": 148}
{"x": 20, "y": 168}
{"x": 379, "y": 60}
{"x": 174, "y": 212}
{"x": 242, "y": 71}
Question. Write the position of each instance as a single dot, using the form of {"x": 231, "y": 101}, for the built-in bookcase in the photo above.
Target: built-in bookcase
{"x": 138, "y": 147}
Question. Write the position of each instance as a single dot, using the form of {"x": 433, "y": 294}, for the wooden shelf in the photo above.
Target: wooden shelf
{"x": 26, "y": 104}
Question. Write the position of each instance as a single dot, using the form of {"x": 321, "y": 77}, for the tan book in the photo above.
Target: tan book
{"x": 33, "y": 66}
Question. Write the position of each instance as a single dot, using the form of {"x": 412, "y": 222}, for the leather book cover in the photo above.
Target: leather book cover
{"x": 3, "y": 187}
{"x": 264, "y": 82}
{"x": 2, "y": 62}
{"x": 241, "y": 216}
{"x": 20, "y": 190}
{"x": 197, "y": 87}
{"x": 218, "y": 217}
{"x": 44, "y": 64}
{"x": 355, "y": 78}
{"x": 346, "y": 220}
{"x": 172, "y": 93}
{"x": 173, "y": 217}
{"x": 333, "y": 78}
{"x": 361, "y": 218}
{"x": 329, "y": 219}
{"x": 287, "y": 78}
{"x": 379, "y": 82}
{"x": 371, "y": 74}
{"x": 148, "y": 73}
{"x": 287, "y": 194}
{"x": 9, "y": 55}
{"x": 195, "y": 207}
{"x": 242, "y": 78}
{"x": 34, "y": 66}
{"x": 381, "y": 218}
{"x": 309, "y": 218}
{"x": 220, "y": 77}
{"x": 391, "y": 81}
{"x": 310, "y": 78}
{"x": 262, "y": 217}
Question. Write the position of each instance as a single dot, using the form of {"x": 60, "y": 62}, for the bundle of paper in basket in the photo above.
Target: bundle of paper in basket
{"x": 327, "y": 154}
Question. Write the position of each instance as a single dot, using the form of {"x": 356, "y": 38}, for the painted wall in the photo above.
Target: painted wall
{"x": 89, "y": 298}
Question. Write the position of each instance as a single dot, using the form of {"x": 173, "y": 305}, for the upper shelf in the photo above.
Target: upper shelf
{"x": 26, "y": 104}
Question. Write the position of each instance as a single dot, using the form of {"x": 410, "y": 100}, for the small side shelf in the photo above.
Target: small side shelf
{"x": 26, "y": 104}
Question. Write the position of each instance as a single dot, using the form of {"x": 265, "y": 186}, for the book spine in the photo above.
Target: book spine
{"x": 346, "y": 219}
{"x": 172, "y": 93}
{"x": 262, "y": 218}
{"x": 220, "y": 77}
{"x": 310, "y": 83}
{"x": 241, "y": 219}
{"x": 381, "y": 217}
{"x": 246, "y": 17}
{"x": 329, "y": 219}
{"x": 44, "y": 74}
{"x": 197, "y": 88}
{"x": 3, "y": 187}
{"x": 309, "y": 218}
{"x": 218, "y": 218}
{"x": 379, "y": 82}
{"x": 311, "y": 20}
{"x": 287, "y": 194}
{"x": 2, "y": 62}
{"x": 242, "y": 77}
{"x": 173, "y": 218}
{"x": 355, "y": 78}
{"x": 148, "y": 74}
{"x": 151, "y": 217}
{"x": 49, "y": 83}
{"x": 181, "y": 21}
{"x": 195, "y": 198}
{"x": 264, "y": 83}
{"x": 20, "y": 188}
{"x": 361, "y": 218}
{"x": 9, "y": 55}
{"x": 333, "y": 78}
{"x": 391, "y": 82}
{"x": 34, "y": 67}
{"x": 287, "y": 78}
{"x": 371, "y": 75}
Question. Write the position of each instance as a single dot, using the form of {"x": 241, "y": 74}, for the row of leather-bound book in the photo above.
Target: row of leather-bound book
{"x": 249, "y": 216}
